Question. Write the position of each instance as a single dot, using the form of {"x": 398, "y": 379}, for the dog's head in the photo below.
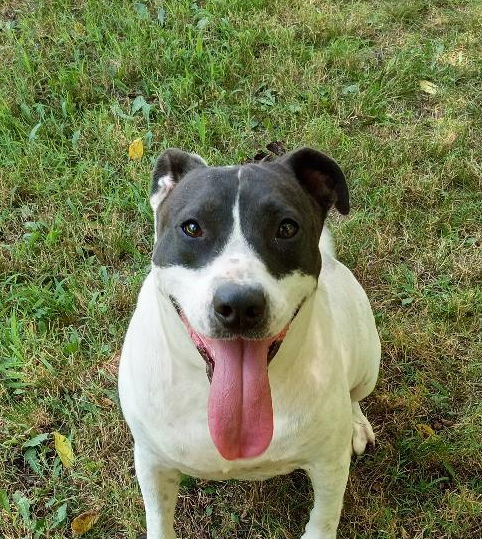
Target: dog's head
{"x": 236, "y": 252}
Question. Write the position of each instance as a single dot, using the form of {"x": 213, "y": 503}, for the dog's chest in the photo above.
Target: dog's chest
{"x": 245, "y": 472}
{"x": 178, "y": 428}
{"x": 165, "y": 395}
{"x": 196, "y": 455}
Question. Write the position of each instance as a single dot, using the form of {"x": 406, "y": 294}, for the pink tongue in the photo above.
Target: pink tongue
{"x": 240, "y": 413}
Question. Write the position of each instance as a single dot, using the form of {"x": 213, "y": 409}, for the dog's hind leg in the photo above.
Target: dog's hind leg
{"x": 159, "y": 489}
{"x": 362, "y": 430}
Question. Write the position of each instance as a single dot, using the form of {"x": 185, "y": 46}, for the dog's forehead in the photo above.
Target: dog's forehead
{"x": 208, "y": 183}
{"x": 271, "y": 185}
{"x": 226, "y": 183}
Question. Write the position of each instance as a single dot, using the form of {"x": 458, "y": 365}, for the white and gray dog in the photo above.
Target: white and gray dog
{"x": 251, "y": 345}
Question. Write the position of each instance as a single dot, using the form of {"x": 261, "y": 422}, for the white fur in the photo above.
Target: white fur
{"x": 326, "y": 364}
{"x": 166, "y": 185}
{"x": 326, "y": 243}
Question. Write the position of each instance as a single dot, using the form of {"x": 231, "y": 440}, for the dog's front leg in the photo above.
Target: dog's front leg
{"x": 329, "y": 483}
{"x": 159, "y": 489}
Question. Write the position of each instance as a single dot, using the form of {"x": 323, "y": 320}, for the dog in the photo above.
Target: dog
{"x": 251, "y": 345}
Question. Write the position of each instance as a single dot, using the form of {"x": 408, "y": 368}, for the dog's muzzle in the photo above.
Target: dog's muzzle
{"x": 240, "y": 414}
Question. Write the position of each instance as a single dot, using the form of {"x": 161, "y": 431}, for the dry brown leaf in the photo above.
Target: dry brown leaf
{"x": 449, "y": 138}
{"x": 64, "y": 449}
{"x": 84, "y": 522}
{"x": 105, "y": 402}
{"x": 454, "y": 58}
{"x": 136, "y": 149}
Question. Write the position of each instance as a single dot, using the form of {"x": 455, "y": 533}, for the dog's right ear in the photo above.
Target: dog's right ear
{"x": 170, "y": 168}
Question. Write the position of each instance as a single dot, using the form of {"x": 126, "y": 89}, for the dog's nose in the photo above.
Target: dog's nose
{"x": 239, "y": 307}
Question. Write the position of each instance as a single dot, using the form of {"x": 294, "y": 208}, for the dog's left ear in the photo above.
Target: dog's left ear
{"x": 321, "y": 177}
{"x": 169, "y": 169}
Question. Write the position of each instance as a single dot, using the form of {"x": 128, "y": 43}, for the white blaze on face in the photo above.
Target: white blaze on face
{"x": 238, "y": 263}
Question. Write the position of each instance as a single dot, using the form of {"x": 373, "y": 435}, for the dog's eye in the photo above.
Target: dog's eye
{"x": 287, "y": 229}
{"x": 192, "y": 229}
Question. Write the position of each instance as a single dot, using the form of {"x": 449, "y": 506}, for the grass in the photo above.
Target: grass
{"x": 225, "y": 78}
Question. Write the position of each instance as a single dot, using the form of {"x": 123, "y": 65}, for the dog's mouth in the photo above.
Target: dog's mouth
{"x": 205, "y": 354}
{"x": 204, "y": 351}
{"x": 240, "y": 412}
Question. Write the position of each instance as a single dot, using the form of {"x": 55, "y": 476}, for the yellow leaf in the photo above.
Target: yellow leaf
{"x": 136, "y": 149}
{"x": 428, "y": 87}
{"x": 425, "y": 431}
{"x": 79, "y": 28}
{"x": 84, "y": 522}
{"x": 64, "y": 449}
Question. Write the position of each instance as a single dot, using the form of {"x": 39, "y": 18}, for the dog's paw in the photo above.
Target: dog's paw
{"x": 362, "y": 431}
{"x": 142, "y": 536}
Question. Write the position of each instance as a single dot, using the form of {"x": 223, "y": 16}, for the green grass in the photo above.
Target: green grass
{"x": 224, "y": 78}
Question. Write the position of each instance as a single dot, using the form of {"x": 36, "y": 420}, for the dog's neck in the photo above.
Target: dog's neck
{"x": 291, "y": 351}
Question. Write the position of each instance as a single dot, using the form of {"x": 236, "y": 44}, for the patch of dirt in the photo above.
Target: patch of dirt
{"x": 275, "y": 149}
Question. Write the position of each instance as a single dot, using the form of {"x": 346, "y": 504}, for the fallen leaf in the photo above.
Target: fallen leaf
{"x": 428, "y": 87}
{"x": 84, "y": 522}
{"x": 79, "y": 29}
{"x": 454, "y": 58}
{"x": 105, "y": 402}
{"x": 136, "y": 149}
{"x": 425, "y": 431}
{"x": 64, "y": 449}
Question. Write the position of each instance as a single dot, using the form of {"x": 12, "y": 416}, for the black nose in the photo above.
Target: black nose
{"x": 239, "y": 307}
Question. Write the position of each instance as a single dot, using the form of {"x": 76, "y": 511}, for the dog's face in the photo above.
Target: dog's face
{"x": 236, "y": 252}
